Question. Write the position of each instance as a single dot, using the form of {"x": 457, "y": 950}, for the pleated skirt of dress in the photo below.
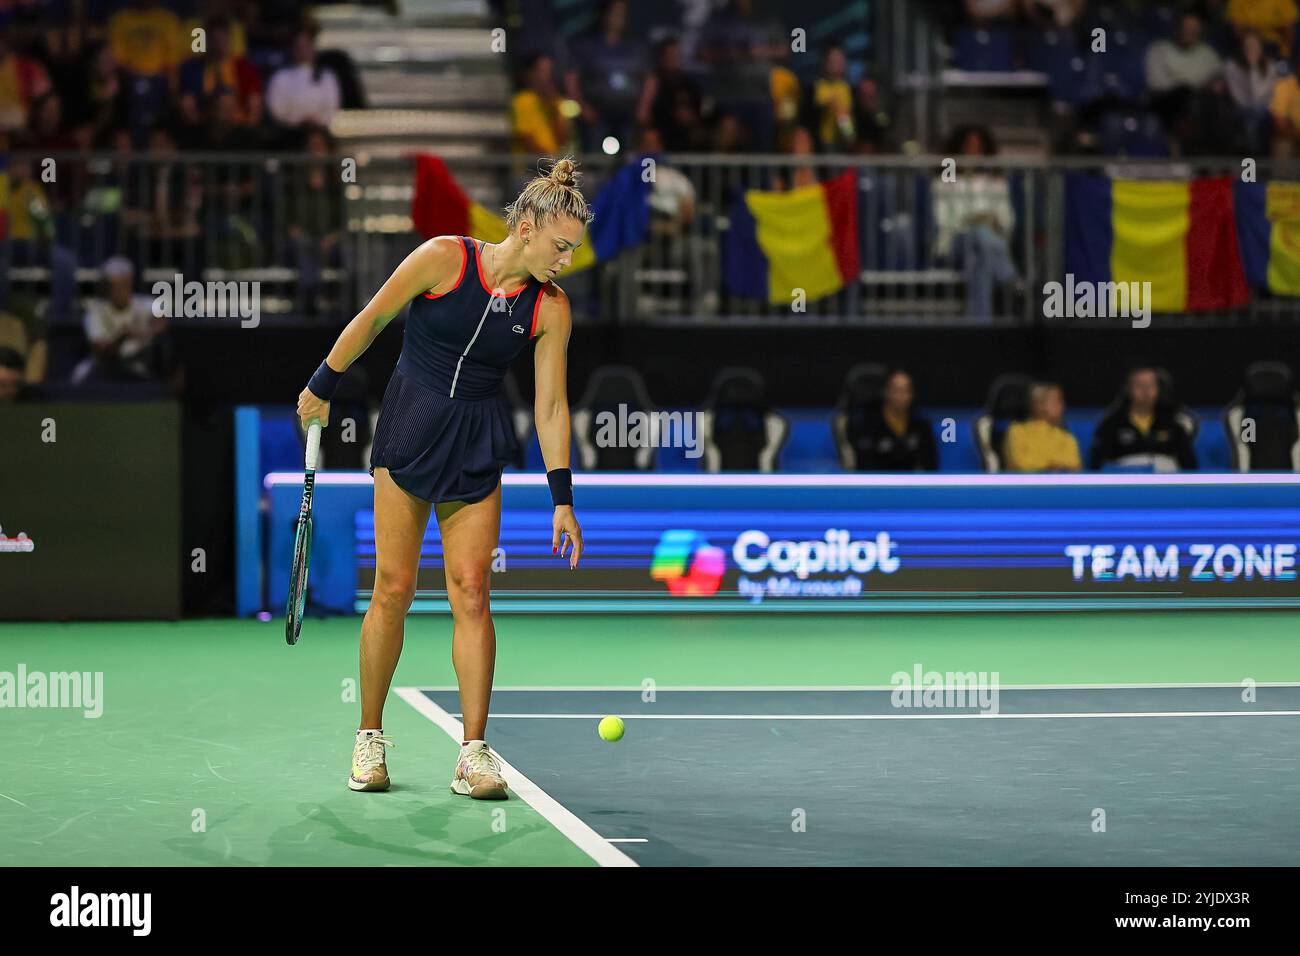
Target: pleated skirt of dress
{"x": 440, "y": 448}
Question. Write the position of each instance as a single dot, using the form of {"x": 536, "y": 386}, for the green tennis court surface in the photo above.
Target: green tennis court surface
{"x": 219, "y": 745}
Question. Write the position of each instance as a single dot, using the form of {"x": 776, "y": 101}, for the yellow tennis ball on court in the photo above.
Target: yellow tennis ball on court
{"x": 611, "y": 728}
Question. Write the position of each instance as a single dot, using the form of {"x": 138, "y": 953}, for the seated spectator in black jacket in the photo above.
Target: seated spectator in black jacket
{"x": 892, "y": 437}
{"x": 1142, "y": 431}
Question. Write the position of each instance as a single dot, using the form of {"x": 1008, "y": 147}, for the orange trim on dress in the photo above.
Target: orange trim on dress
{"x": 464, "y": 261}
{"x": 537, "y": 309}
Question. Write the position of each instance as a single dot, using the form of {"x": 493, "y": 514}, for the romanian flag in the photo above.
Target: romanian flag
{"x": 806, "y": 239}
{"x": 1179, "y": 236}
{"x": 1268, "y": 230}
{"x": 621, "y": 212}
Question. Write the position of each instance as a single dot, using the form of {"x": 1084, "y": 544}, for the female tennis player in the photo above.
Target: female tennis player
{"x": 444, "y": 434}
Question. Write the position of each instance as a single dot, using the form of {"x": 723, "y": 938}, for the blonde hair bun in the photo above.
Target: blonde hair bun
{"x": 550, "y": 196}
{"x": 564, "y": 172}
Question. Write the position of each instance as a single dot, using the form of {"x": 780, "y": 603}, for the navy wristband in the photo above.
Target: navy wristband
{"x": 561, "y": 482}
{"x": 324, "y": 383}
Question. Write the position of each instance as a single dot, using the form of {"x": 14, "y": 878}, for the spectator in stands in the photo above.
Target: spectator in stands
{"x": 209, "y": 10}
{"x": 32, "y": 240}
{"x": 537, "y": 121}
{"x": 1053, "y": 14}
{"x": 1042, "y": 443}
{"x": 22, "y": 332}
{"x": 1273, "y": 20}
{"x": 1285, "y": 110}
{"x": 672, "y": 195}
{"x": 314, "y": 215}
{"x": 1142, "y": 431}
{"x": 974, "y": 220}
{"x": 983, "y": 12}
{"x": 12, "y": 381}
{"x": 798, "y": 143}
{"x": 219, "y": 69}
{"x": 98, "y": 97}
{"x": 162, "y": 206}
{"x": 741, "y": 49}
{"x": 787, "y": 95}
{"x": 671, "y": 102}
{"x": 271, "y": 27}
{"x": 896, "y": 438}
{"x": 606, "y": 79}
{"x": 1184, "y": 77}
{"x": 223, "y": 131}
{"x": 1183, "y": 63}
{"x": 229, "y": 189}
{"x": 22, "y": 81}
{"x": 832, "y": 103}
{"x": 303, "y": 92}
{"x": 147, "y": 40}
{"x": 729, "y": 135}
{"x": 46, "y": 130}
{"x": 127, "y": 341}
{"x": 870, "y": 119}
{"x": 677, "y": 245}
{"x": 1250, "y": 80}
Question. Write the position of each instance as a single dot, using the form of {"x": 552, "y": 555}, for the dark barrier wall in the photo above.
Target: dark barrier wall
{"x": 100, "y": 505}
{"x": 951, "y": 366}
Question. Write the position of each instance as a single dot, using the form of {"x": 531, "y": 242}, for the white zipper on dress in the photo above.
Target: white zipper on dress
{"x": 492, "y": 298}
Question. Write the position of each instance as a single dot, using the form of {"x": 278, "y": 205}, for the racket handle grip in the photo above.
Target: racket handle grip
{"x": 313, "y": 445}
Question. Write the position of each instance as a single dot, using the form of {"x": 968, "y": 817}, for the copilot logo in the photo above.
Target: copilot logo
{"x": 688, "y": 564}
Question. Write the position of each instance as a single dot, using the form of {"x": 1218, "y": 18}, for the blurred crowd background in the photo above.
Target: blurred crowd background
{"x": 225, "y": 159}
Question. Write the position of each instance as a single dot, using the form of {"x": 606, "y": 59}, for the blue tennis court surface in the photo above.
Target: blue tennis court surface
{"x": 1125, "y": 775}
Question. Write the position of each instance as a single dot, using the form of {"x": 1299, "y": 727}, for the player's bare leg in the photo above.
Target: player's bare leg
{"x": 400, "y": 521}
{"x": 470, "y": 533}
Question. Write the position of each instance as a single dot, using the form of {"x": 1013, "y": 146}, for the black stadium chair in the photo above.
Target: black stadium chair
{"x": 1167, "y": 398}
{"x": 609, "y": 387}
{"x": 1008, "y": 402}
{"x": 1263, "y": 420}
{"x": 521, "y": 416}
{"x": 859, "y": 398}
{"x": 740, "y": 431}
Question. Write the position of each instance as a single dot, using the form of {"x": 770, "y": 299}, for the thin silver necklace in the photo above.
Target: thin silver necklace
{"x": 510, "y": 306}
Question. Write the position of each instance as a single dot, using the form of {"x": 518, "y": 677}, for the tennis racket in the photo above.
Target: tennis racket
{"x": 293, "y": 611}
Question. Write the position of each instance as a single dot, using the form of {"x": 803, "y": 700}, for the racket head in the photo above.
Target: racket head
{"x": 297, "y": 603}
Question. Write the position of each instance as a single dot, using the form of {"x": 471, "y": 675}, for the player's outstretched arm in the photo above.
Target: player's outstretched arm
{"x": 433, "y": 266}
{"x": 551, "y": 408}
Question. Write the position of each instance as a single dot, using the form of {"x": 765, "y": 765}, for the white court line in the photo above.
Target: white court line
{"x": 628, "y": 840}
{"x": 583, "y": 836}
{"x": 974, "y": 716}
{"x": 860, "y": 687}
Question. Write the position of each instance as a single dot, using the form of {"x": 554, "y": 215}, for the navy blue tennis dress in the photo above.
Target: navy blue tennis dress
{"x": 444, "y": 431}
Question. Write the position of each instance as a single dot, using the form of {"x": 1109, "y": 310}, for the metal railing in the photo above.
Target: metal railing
{"x": 320, "y": 241}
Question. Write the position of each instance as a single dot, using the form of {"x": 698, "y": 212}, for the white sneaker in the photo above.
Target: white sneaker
{"x": 478, "y": 773}
{"x": 369, "y": 768}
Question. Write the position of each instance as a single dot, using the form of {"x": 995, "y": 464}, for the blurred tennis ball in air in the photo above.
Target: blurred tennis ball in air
{"x": 611, "y": 728}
